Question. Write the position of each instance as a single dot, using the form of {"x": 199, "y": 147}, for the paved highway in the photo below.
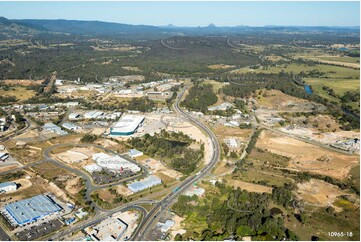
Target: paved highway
{"x": 147, "y": 224}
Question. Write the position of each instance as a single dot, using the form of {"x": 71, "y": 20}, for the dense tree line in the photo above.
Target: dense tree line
{"x": 245, "y": 85}
{"x": 143, "y": 104}
{"x": 88, "y": 138}
{"x": 351, "y": 96}
{"x": 172, "y": 148}
{"x": 200, "y": 97}
{"x": 241, "y": 214}
{"x": 7, "y": 99}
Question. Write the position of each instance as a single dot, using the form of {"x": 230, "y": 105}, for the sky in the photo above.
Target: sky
{"x": 192, "y": 13}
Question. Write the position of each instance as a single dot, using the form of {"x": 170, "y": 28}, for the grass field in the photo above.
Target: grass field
{"x": 269, "y": 177}
{"x": 268, "y": 157}
{"x": 345, "y": 59}
{"x": 216, "y": 85}
{"x": 320, "y": 223}
{"x": 21, "y": 93}
{"x": 340, "y": 86}
{"x": 329, "y": 70}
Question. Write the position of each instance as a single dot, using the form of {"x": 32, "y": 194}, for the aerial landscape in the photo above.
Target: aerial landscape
{"x": 171, "y": 121}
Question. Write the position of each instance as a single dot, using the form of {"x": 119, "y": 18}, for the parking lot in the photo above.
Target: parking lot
{"x": 106, "y": 176}
{"x": 3, "y": 235}
{"x": 40, "y": 230}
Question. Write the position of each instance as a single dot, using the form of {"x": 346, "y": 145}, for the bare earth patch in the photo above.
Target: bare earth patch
{"x": 318, "y": 192}
{"x": 19, "y": 82}
{"x": 219, "y": 66}
{"x": 275, "y": 99}
{"x": 73, "y": 186}
{"x": 250, "y": 187}
{"x": 307, "y": 157}
{"x": 123, "y": 190}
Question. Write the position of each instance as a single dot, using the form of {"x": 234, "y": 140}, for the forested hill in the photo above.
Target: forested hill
{"x": 107, "y": 28}
{"x": 88, "y": 27}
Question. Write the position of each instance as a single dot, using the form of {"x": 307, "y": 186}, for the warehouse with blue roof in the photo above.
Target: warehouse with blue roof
{"x": 150, "y": 181}
{"x": 30, "y": 210}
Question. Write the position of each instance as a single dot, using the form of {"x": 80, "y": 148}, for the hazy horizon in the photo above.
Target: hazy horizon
{"x": 193, "y": 14}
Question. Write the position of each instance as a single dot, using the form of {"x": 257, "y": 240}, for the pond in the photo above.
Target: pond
{"x": 308, "y": 89}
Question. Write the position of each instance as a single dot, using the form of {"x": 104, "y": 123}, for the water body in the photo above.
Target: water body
{"x": 343, "y": 49}
{"x": 308, "y": 89}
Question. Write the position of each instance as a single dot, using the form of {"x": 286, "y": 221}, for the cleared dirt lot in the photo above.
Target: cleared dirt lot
{"x": 307, "y": 157}
{"x": 318, "y": 192}
{"x": 250, "y": 187}
{"x": 195, "y": 133}
{"x": 22, "y": 82}
{"x": 157, "y": 167}
{"x": 224, "y": 132}
{"x": 274, "y": 99}
{"x": 73, "y": 186}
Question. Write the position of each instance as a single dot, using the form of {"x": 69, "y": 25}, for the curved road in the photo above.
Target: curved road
{"x": 146, "y": 225}
{"x": 16, "y": 132}
{"x": 148, "y": 219}
{"x": 90, "y": 186}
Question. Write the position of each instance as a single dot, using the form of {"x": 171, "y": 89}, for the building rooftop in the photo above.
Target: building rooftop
{"x": 145, "y": 183}
{"x": 32, "y": 209}
{"x": 6, "y": 184}
{"x": 50, "y": 126}
{"x": 134, "y": 152}
{"x": 69, "y": 126}
{"x": 127, "y": 124}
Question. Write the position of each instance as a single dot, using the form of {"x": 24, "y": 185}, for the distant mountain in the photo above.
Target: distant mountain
{"x": 87, "y": 27}
{"x": 10, "y": 29}
{"x": 27, "y": 26}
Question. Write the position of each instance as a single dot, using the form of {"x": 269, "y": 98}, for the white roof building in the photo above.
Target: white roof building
{"x": 72, "y": 104}
{"x": 147, "y": 182}
{"x": 7, "y": 187}
{"x": 58, "y": 82}
{"x": 70, "y": 126}
{"x": 135, "y": 153}
{"x": 164, "y": 227}
{"x": 127, "y": 125}
{"x": 222, "y": 107}
{"x": 232, "y": 143}
{"x": 93, "y": 114}
{"x": 115, "y": 163}
{"x": 4, "y": 156}
{"x": 54, "y": 128}
{"x": 74, "y": 116}
{"x": 92, "y": 168}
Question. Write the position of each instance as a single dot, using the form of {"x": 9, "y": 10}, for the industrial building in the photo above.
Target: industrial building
{"x": 74, "y": 116}
{"x": 92, "y": 168}
{"x": 7, "y": 187}
{"x": 135, "y": 153}
{"x": 222, "y": 107}
{"x": 54, "y": 128}
{"x": 70, "y": 126}
{"x": 72, "y": 104}
{"x": 195, "y": 191}
{"x": 232, "y": 143}
{"x": 30, "y": 210}
{"x": 93, "y": 114}
{"x": 127, "y": 125}
{"x": 4, "y": 156}
{"x": 110, "y": 229}
{"x": 115, "y": 163}
{"x": 150, "y": 181}
{"x": 164, "y": 227}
